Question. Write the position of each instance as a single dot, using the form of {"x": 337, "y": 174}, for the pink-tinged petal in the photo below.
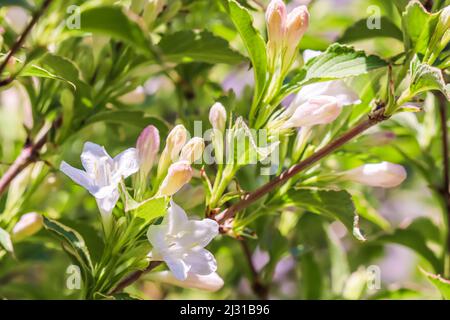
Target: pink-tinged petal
{"x": 92, "y": 156}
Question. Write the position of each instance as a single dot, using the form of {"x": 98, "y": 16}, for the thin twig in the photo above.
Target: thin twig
{"x": 258, "y": 288}
{"x": 18, "y": 44}
{"x": 134, "y": 277}
{"x": 29, "y": 154}
{"x": 374, "y": 118}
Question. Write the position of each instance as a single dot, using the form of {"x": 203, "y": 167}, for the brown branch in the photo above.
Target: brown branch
{"x": 374, "y": 118}
{"x": 134, "y": 277}
{"x": 18, "y": 44}
{"x": 28, "y": 155}
{"x": 258, "y": 287}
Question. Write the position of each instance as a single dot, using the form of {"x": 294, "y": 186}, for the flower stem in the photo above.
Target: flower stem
{"x": 374, "y": 118}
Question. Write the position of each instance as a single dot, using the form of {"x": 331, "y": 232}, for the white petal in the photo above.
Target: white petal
{"x": 107, "y": 203}
{"x": 342, "y": 93}
{"x": 77, "y": 175}
{"x": 200, "y": 233}
{"x": 211, "y": 282}
{"x": 176, "y": 218}
{"x": 178, "y": 267}
{"x": 201, "y": 261}
{"x": 127, "y": 163}
{"x": 156, "y": 236}
{"x": 309, "y": 54}
{"x": 91, "y": 157}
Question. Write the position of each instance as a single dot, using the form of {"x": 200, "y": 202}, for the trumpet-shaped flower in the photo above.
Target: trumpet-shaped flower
{"x": 180, "y": 242}
{"x": 103, "y": 174}
{"x": 383, "y": 174}
{"x": 318, "y": 110}
{"x": 218, "y": 116}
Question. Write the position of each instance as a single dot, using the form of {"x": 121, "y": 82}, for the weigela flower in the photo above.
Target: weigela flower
{"x": 180, "y": 242}
{"x": 28, "y": 224}
{"x": 211, "y": 282}
{"x": 102, "y": 175}
{"x": 178, "y": 175}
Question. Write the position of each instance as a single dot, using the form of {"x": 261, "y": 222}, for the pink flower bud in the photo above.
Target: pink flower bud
{"x": 276, "y": 21}
{"x": 178, "y": 175}
{"x": 218, "y": 116}
{"x": 296, "y": 26}
{"x": 147, "y": 146}
{"x": 318, "y": 110}
{"x": 193, "y": 150}
{"x": 175, "y": 141}
{"x": 383, "y": 174}
{"x": 29, "y": 224}
{"x": 211, "y": 282}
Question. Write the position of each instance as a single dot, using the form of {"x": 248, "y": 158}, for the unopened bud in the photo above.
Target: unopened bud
{"x": 218, "y": 116}
{"x": 178, "y": 175}
{"x": 383, "y": 174}
{"x": 193, "y": 150}
{"x": 296, "y": 26}
{"x": 276, "y": 21}
{"x": 29, "y": 224}
{"x": 147, "y": 146}
{"x": 318, "y": 110}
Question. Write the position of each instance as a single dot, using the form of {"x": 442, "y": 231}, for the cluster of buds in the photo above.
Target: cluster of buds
{"x": 284, "y": 33}
{"x": 174, "y": 167}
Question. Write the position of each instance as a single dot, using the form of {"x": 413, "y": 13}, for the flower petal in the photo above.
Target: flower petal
{"x": 156, "y": 236}
{"x": 200, "y": 233}
{"x": 126, "y": 163}
{"x": 176, "y": 218}
{"x": 107, "y": 203}
{"x": 201, "y": 261}
{"x": 178, "y": 267}
{"x": 92, "y": 155}
{"x": 77, "y": 175}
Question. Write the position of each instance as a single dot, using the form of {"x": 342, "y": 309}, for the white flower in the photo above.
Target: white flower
{"x": 103, "y": 174}
{"x": 317, "y": 110}
{"x": 211, "y": 282}
{"x": 335, "y": 88}
{"x": 383, "y": 174}
{"x": 193, "y": 150}
{"x": 180, "y": 243}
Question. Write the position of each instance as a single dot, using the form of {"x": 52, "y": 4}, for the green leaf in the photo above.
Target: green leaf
{"x": 115, "y": 22}
{"x": 443, "y": 285}
{"x": 133, "y": 118}
{"x": 16, "y": 3}
{"x": 337, "y": 62}
{"x": 340, "y": 269}
{"x": 426, "y": 78}
{"x": 5, "y": 240}
{"x": 414, "y": 19}
{"x": 415, "y": 241}
{"x": 360, "y": 31}
{"x": 152, "y": 208}
{"x": 77, "y": 247}
{"x": 254, "y": 43}
{"x": 187, "y": 46}
{"x": 336, "y": 205}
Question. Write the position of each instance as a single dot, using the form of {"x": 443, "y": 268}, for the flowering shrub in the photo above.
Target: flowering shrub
{"x": 252, "y": 153}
